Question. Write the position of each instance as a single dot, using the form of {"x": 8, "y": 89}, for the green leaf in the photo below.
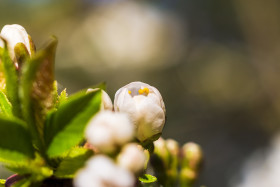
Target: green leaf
{"x": 11, "y": 77}
{"x": 15, "y": 141}
{"x": 62, "y": 97}
{"x": 37, "y": 90}
{"x": 65, "y": 127}
{"x": 35, "y": 166}
{"x": 35, "y": 171}
{"x": 73, "y": 162}
{"x": 5, "y": 105}
{"x": 146, "y": 178}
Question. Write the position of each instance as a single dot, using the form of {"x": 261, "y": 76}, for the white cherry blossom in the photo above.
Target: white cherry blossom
{"x": 145, "y": 107}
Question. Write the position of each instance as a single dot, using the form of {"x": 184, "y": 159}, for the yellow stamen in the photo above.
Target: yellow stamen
{"x": 141, "y": 91}
{"x": 129, "y": 92}
{"x": 146, "y": 90}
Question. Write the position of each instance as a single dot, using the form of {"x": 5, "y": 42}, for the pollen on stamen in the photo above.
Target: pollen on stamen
{"x": 141, "y": 91}
{"x": 129, "y": 92}
{"x": 146, "y": 90}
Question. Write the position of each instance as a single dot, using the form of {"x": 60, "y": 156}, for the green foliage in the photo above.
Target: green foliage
{"x": 41, "y": 130}
{"x": 37, "y": 90}
{"x": 36, "y": 170}
{"x": 72, "y": 162}
{"x": 146, "y": 178}
{"x": 11, "y": 78}
{"x": 36, "y": 166}
{"x": 5, "y": 106}
{"x": 15, "y": 141}
{"x": 64, "y": 127}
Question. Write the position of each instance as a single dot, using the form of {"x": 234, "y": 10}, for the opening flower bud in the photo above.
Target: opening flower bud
{"x": 15, "y": 34}
{"x": 145, "y": 107}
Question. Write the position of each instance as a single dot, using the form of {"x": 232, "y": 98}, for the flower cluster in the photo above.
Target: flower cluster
{"x": 138, "y": 116}
{"x": 122, "y": 138}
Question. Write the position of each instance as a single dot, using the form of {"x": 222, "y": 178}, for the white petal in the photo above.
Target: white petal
{"x": 157, "y": 93}
{"x": 151, "y": 118}
{"x": 122, "y": 128}
{"x": 106, "y": 100}
{"x": 15, "y": 34}
{"x": 101, "y": 138}
{"x": 107, "y": 130}
{"x": 123, "y": 178}
{"x": 102, "y": 166}
{"x": 106, "y": 173}
{"x": 86, "y": 178}
{"x": 130, "y": 153}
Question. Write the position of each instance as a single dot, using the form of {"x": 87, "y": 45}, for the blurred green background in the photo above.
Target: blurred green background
{"x": 215, "y": 62}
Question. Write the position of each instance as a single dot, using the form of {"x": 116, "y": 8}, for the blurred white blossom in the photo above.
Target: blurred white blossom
{"x": 132, "y": 158}
{"x": 101, "y": 171}
{"x": 133, "y": 33}
{"x": 108, "y": 130}
{"x": 145, "y": 107}
{"x": 106, "y": 103}
{"x": 262, "y": 169}
{"x": 15, "y": 34}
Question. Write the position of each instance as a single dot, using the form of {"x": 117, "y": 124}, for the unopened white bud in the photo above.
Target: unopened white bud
{"x": 108, "y": 130}
{"x": 145, "y": 107}
{"x": 15, "y": 34}
{"x": 132, "y": 158}
{"x": 106, "y": 103}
